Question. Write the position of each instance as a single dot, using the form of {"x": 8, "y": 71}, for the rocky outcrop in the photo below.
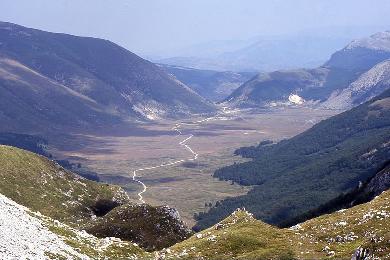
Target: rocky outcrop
{"x": 380, "y": 182}
{"x": 367, "y": 86}
{"x": 151, "y": 227}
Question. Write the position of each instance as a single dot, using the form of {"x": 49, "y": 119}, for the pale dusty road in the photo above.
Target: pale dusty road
{"x": 220, "y": 116}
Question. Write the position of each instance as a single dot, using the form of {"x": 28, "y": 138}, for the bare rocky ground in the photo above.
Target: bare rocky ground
{"x": 30, "y": 235}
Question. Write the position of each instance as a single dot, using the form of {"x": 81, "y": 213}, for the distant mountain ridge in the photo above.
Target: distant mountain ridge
{"x": 213, "y": 85}
{"x": 85, "y": 79}
{"x": 368, "y": 85}
{"x": 362, "y": 54}
{"x": 260, "y": 54}
{"x": 379, "y": 41}
{"x": 362, "y": 61}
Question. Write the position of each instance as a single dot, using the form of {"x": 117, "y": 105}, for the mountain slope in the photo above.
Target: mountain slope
{"x": 326, "y": 160}
{"x": 368, "y": 85}
{"x": 317, "y": 85}
{"x": 275, "y": 88}
{"x": 340, "y": 235}
{"x": 102, "y": 73}
{"x": 362, "y": 54}
{"x": 363, "y": 193}
{"x": 41, "y": 185}
{"x": 213, "y": 85}
{"x": 335, "y": 236}
{"x": 29, "y": 235}
{"x": 31, "y": 101}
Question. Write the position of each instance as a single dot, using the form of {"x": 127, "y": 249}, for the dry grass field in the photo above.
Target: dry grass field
{"x": 186, "y": 186}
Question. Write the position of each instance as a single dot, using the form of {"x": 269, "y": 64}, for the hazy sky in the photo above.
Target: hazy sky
{"x": 148, "y": 26}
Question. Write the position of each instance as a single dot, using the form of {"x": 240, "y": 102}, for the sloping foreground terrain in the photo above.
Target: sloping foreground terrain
{"x": 335, "y": 236}
{"x": 61, "y": 80}
{"x": 339, "y": 235}
{"x": 350, "y": 77}
{"x": 365, "y": 192}
{"x": 27, "y": 233}
{"x": 43, "y": 186}
{"x": 301, "y": 173}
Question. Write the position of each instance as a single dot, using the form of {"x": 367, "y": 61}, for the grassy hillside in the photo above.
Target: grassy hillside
{"x": 334, "y": 236}
{"x": 41, "y": 185}
{"x": 68, "y": 81}
{"x": 310, "y": 169}
{"x": 44, "y": 186}
{"x": 32, "y": 102}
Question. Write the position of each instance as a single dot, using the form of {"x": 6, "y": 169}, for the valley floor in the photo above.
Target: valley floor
{"x": 186, "y": 186}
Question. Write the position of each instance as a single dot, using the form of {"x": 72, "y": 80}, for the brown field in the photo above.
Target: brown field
{"x": 187, "y": 186}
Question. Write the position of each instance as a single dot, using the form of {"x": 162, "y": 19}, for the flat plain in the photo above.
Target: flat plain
{"x": 187, "y": 186}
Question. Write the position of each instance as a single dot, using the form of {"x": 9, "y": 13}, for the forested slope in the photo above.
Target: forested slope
{"x": 310, "y": 169}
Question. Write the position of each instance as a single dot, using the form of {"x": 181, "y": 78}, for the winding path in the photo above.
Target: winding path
{"x": 182, "y": 143}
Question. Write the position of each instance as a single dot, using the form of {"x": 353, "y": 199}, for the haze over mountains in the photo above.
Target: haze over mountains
{"x": 62, "y": 83}
{"x": 68, "y": 81}
{"x": 261, "y": 54}
{"x": 213, "y": 85}
{"x": 304, "y": 49}
{"x": 343, "y": 72}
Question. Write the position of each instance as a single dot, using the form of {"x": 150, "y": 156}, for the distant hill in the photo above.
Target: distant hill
{"x": 358, "y": 65}
{"x": 58, "y": 81}
{"x": 213, "y": 85}
{"x": 368, "y": 85}
{"x": 362, "y": 54}
{"x": 274, "y": 89}
{"x": 311, "y": 168}
{"x": 263, "y": 53}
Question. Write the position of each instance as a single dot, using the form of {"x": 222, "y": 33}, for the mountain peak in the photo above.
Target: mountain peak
{"x": 378, "y": 41}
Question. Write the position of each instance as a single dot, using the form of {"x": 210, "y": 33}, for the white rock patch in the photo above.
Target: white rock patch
{"x": 24, "y": 237}
{"x": 295, "y": 99}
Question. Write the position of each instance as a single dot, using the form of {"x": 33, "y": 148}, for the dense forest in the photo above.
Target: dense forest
{"x": 327, "y": 160}
{"x": 363, "y": 193}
